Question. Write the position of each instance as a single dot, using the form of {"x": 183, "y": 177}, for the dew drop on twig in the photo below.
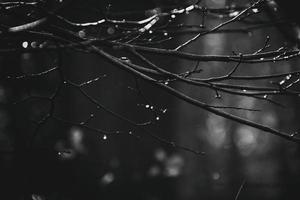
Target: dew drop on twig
{"x": 25, "y": 44}
{"x": 233, "y": 14}
{"x": 82, "y": 33}
{"x": 164, "y": 111}
{"x": 125, "y": 59}
{"x": 34, "y": 44}
{"x": 294, "y": 134}
{"x": 218, "y": 96}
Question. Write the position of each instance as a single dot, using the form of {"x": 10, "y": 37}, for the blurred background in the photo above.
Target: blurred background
{"x": 69, "y": 162}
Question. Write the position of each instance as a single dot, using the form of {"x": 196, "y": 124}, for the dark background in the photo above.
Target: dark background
{"x": 125, "y": 167}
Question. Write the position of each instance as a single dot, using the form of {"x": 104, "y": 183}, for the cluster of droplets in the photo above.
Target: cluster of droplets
{"x": 33, "y": 44}
{"x": 283, "y": 81}
{"x": 218, "y": 95}
{"x": 158, "y": 37}
{"x": 104, "y": 136}
{"x": 292, "y": 135}
{"x": 90, "y": 118}
{"x": 151, "y": 107}
{"x": 157, "y": 111}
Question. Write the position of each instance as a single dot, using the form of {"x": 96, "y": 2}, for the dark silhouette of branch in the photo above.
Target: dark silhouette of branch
{"x": 41, "y": 29}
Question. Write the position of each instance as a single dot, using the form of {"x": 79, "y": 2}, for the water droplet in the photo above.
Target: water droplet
{"x": 34, "y": 44}
{"x": 151, "y": 107}
{"x": 130, "y": 132}
{"x": 265, "y": 96}
{"x": 147, "y": 106}
{"x": 218, "y": 96}
{"x": 165, "y": 34}
{"x": 82, "y": 33}
{"x": 164, "y": 111}
{"x": 125, "y": 59}
{"x": 294, "y": 134}
{"x": 157, "y": 118}
{"x": 244, "y": 90}
{"x": 166, "y": 83}
{"x": 261, "y": 59}
{"x": 66, "y": 154}
{"x": 233, "y": 14}
{"x": 191, "y": 7}
{"x": 150, "y": 32}
{"x": 42, "y": 45}
{"x": 255, "y": 10}
{"x": 282, "y": 82}
{"x": 104, "y": 137}
{"x": 25, "y": 44}
{"x": 173, "y": 16}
